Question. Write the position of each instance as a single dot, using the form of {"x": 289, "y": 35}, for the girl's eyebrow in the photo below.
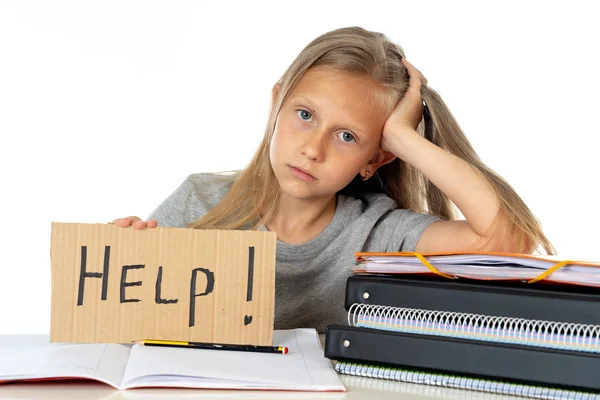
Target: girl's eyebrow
{"x": 312, "y": 110}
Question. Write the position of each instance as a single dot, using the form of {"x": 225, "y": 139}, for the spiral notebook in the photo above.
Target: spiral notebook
{"x": 508, "y": 350}
{"x": 428, "y": 384}
{"x": 546, "y": 334}
{"x": 403, "y": 390}
{"x": 539, "y": 301}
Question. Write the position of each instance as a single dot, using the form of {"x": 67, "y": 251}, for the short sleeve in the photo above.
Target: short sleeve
{"x": 172, "y": 212}
{"x": 192, "y": 199}
{"x": 400, "y": 230}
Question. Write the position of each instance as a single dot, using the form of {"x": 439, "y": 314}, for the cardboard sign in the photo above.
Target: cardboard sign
{"x": 115, "y": 284}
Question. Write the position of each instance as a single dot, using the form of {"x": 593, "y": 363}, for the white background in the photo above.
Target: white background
{"x": 106, "y": 106}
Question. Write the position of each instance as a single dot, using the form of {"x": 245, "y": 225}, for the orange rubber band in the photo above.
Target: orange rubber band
{"x": 432, "y": 268}
{"x": 550, "y": 271}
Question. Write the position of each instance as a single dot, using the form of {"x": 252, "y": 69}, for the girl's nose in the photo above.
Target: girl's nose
{"x": 315, "y": 146}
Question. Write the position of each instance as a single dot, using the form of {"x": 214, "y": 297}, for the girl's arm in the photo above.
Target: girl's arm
{"x": 464, "y": 185}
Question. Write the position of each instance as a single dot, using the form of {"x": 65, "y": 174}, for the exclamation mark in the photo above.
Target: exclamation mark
{"x": 248, "y": 318}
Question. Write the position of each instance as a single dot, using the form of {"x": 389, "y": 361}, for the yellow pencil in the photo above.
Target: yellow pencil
{"x": 214, "y": 346}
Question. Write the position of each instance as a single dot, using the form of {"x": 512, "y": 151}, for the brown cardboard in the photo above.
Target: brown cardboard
{"x": 164, "y": 305}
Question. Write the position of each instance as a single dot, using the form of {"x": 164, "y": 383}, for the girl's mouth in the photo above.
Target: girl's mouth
{"x": 302, "y": 174}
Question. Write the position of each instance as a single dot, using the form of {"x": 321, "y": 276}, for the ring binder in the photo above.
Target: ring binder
{"x": 550, "y": 334}
{"x": 563, "y": 303}
{"x": 521, "y": 364}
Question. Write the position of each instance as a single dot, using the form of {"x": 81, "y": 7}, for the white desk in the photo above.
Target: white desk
{"x": 358, "y": 388}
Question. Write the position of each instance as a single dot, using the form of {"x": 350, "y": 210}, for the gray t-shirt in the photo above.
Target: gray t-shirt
{"x": 310, "y": 280}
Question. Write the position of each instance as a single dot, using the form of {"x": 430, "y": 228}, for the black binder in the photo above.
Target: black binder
{"x": 480, "y": 359}
{"x": 541, "y": 301}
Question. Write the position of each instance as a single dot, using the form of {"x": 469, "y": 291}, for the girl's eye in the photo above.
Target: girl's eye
{"x": 303, "y": 113}
{"x": 347, "y": 137}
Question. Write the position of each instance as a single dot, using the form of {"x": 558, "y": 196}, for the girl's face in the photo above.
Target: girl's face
{"x": 329, "y": 127}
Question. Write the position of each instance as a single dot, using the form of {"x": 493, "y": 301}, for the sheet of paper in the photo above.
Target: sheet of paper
{"x": 34, "y": 357}
{"x": 214, "y": 394}
{"x": 304, "y": 368}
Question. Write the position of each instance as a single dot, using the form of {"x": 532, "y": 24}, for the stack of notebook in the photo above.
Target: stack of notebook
{"x": 467, "y": 324}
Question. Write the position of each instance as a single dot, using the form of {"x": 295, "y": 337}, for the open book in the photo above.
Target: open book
{"x": 126, "y": 366}
{"x": 482, "y": 265}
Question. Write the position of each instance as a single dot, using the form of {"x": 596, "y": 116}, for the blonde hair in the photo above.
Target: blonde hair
{"x": 253, "y": 196}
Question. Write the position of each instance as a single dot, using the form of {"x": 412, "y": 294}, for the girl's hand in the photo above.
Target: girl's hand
{"x": 407, "y": 114}
{"x": 135, "y": 222}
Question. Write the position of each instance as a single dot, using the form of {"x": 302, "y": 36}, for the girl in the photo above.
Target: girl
{"x": 347, "y": 165}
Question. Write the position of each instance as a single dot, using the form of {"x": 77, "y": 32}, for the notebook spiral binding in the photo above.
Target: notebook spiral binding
{"x": 459, "y": 382}
{"x": 550, "y": 334}
{"x": 407, "y": 388}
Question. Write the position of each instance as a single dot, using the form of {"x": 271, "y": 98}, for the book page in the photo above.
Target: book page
{"x": 34, "y": 357}
{"x": 217, "y": 394}
{"x": 303, "y": 368}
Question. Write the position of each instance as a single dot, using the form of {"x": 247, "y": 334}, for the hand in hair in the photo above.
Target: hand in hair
{"x": 135, "y": 222}
{"x": 407, "y": 114}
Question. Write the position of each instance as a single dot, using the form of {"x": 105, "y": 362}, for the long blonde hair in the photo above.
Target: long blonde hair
{"x": 252, "y": 198}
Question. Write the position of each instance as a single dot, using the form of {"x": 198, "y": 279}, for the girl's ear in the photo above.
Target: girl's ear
{"x": 381, "y": 157}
